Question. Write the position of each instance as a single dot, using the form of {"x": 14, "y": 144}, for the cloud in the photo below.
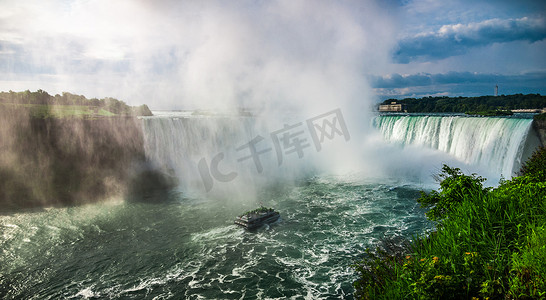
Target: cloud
{"x": 196, "y": 54}
{"x": 425, "y": 79}
{"x": 451, "y": 40}
{"x": 457, "y": 84}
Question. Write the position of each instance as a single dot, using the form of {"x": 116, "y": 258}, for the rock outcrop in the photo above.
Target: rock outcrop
{"x": 71, "y": 161}
{"x": 540, "y": 128}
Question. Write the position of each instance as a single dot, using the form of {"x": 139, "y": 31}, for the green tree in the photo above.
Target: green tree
{"x": 454, "y": 187}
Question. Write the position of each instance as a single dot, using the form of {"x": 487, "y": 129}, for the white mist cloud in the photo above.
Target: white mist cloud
{"x": 455, "y": 83}
{"x": 195, "y": 54}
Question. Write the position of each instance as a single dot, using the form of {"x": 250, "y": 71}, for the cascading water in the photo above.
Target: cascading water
{"x": 189, "y": 146}
{"x": 188, "y": 247}
{"x": 176, "y": 143}
{"x": 494, "y": 143}
{"x": 184, "y": 245}
{"x": 186, "y": 145}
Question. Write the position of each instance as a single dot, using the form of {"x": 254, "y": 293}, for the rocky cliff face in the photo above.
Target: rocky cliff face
{"x": 52, "y": 162}
{"x": 540, "y": 128}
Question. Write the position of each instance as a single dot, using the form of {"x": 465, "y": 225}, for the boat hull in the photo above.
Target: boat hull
{"x": 253, "y": 223}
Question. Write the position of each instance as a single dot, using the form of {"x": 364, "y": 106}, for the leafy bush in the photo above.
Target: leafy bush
{"x": 454, "y": 187}
{"x": 378, "y": 268}
{"x": 535, "y": 167}
{"x": 491, "y": 244}
{"x": 528, "y": 274}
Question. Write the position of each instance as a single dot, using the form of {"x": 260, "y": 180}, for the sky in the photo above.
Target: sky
{"x": 262, "y": 54}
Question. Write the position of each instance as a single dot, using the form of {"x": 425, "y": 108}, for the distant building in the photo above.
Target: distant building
{"x": 496, "y": 90}
{"x": 393, "y": 107}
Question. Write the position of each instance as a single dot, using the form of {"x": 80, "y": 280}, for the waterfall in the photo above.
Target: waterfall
{"x": 211, "y": 153}
{"x": 177, "y": 143}
{"x": 493, "y": 143}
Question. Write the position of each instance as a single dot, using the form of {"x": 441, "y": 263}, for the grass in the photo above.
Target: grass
{"x": 105, "y": 113}
{"x": 489, "y": 244}
{"x": 43, "y": 111}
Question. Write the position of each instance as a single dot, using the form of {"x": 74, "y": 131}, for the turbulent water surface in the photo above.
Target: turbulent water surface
{"x": 494, "y": 143}
{"x": 183, "y": 244}
{"x": 189, "y": 247}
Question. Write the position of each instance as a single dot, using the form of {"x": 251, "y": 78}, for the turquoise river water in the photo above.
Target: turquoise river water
{"x": 189, "y": 248}
{"x": 184, "y": 245}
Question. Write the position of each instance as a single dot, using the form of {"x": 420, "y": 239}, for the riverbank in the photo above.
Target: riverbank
{"x": 488, "y": 244}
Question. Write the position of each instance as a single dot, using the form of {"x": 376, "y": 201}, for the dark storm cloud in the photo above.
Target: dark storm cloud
{"x": 425, "y": 79}
{"x": 452, "y": 40}
{"x": 457, "y": 84}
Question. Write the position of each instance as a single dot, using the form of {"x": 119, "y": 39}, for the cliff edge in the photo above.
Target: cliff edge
{"x": 539, "y": 124}
{"x": 68, "y": 161}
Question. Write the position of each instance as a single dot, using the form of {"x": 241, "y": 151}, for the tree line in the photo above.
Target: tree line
{"x": 41, "y": 97}
{"x": 446, "y": 104}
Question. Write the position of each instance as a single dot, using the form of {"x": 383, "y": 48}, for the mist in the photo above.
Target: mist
{"x": 283, "y": 61}
{"x": 204, "y": 55}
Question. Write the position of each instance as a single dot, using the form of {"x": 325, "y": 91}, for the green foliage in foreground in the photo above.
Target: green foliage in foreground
{"x": 454, "y": 187}
{"x": 490, "y": 244}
